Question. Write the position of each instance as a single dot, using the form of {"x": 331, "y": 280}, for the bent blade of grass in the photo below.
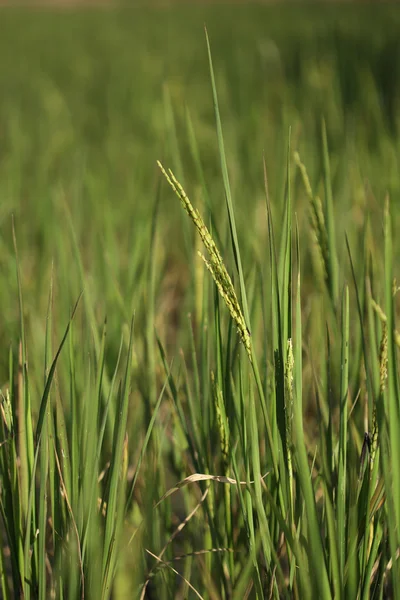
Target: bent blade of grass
{"x": 196, "y": 477}
{"x": 76, "y": 411}
{"x": 45, "y": 397}
{"x": 52, "y": 484}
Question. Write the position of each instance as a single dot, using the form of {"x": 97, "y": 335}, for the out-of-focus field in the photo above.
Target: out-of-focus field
{"x": 89, "y": 101}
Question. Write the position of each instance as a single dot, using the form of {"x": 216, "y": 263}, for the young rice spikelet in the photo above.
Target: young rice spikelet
{"x": 215, "y": 263}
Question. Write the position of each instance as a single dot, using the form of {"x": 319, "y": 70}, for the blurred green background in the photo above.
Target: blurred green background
{"x": 90, "y": 99}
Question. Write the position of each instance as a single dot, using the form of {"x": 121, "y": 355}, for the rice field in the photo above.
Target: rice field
{"x": 200, "y": 392}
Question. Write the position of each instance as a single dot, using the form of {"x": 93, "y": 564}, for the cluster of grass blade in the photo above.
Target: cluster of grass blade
{"x": 63, "y": 516}
{"x": 322, "y": 524}
{"x": 249, "y": 451}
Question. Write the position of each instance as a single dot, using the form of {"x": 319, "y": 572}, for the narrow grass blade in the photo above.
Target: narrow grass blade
{"x": 114, "y": 500}
{"x": 45, "y": 397}
{"x": 227, "y": 187}
{"x": 333, "y": 276}
{"x": 342, "y": 470}
{"x": 25, "y": 437}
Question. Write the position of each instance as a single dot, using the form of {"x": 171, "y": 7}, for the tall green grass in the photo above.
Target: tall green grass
{"x": 213, "y": 426}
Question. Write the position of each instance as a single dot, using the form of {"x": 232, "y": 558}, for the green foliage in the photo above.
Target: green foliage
{"x": 251, "y": 449}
